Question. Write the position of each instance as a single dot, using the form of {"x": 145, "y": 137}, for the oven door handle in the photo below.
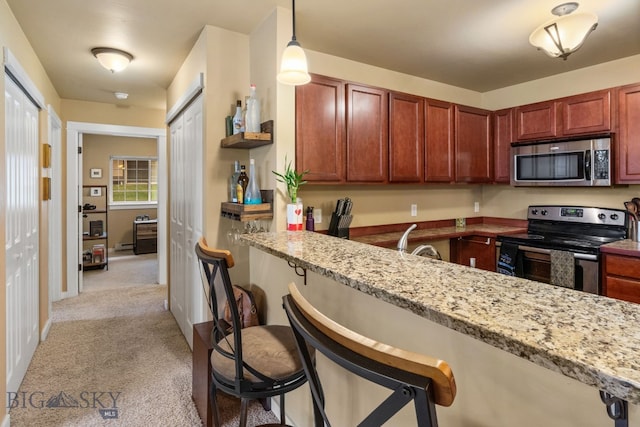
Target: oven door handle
{"x": 587, "y": 257}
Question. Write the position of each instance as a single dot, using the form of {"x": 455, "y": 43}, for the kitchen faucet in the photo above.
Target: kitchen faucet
{"x": 427, "y": 250}
{"x": 402, "y": 243}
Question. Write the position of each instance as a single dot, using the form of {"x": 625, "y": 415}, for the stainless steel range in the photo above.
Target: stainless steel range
{"x": 562, "y": 245}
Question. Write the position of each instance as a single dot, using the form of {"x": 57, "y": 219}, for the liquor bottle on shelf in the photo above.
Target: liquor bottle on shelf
{"x": 252, "y": 122}
{"x": 238, "y": 124}
{"x": 233, "y": 191}
{"x": 252, "y": 193}
{"x": 243, "y": 181}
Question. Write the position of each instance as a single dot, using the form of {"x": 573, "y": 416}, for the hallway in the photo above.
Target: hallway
{"x": 114, "y": 356}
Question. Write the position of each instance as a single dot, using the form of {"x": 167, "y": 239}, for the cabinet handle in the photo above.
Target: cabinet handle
{"x": 488, "y": 242}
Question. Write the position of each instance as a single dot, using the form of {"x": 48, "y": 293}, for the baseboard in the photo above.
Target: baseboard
{"x": 275, "y": 409}
{"x": 6, "y": 422}
{"x": 45, "y": 330}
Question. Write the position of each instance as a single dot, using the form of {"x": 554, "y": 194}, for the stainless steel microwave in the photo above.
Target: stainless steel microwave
{"x": 581, "y": 163}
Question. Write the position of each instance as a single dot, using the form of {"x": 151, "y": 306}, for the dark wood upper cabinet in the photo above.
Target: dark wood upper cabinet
{"x": 537, "y": 121}
{"x": 628, "y": 136}
{"x": 584, "y": 114}
{"x": 474, "y": 154}
{"x": 587, "y": 113}
{"x": 406, "y": 138}
{"x": 439, "y": 146}
{"x": 320, "y": 130}
{"x": 367, "y": 134}
{"x": 502, "y": 139}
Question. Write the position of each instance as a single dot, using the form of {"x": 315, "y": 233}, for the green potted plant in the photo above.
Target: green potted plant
{"x": 293, "y": 180}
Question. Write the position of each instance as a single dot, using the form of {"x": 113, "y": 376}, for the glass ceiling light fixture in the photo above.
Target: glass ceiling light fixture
{"x": 114, "y": 60}
{"x": 562, "y": 36}
{"x": 293, "y": 67}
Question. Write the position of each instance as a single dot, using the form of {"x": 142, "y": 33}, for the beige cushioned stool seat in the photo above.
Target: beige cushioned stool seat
{"x": 271, "y": 350}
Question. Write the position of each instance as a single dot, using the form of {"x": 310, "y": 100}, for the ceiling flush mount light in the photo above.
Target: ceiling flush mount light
{"x": 121, "y": 95}
{"x": 293, "y": 67}
{"x": 562, "y": 36}
{"x": 114, "y": 60}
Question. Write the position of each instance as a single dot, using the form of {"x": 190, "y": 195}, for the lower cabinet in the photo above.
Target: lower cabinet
{"x": 621, "y": 277}
{"x": 468, "y": 250}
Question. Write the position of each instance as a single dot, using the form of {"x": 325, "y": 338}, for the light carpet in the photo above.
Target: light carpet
{"x": 115, "y": 357}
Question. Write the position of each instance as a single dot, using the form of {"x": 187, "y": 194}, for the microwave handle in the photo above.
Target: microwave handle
{"x": 587, "y": 165}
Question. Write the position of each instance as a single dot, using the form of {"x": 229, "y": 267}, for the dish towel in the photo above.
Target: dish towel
{"x": 563, "y": 271}
{"x": 508, "y": 260}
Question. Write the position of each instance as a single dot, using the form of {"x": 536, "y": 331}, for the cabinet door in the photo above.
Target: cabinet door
{"x": 537, "y": 121}
{"x": 480, "y": 248}
{"x": 439, "y": 145}
{"x": 367, "y": 134}
{"x": 502, "y": 139}
{"x": 474, "y": 154}
{"x": 406, "y": 138}
{"x": 620, "y": 274}
{"x": 628, "y": 155}
{"x": 587, "y": 113}
{"x": 320, "y": 129}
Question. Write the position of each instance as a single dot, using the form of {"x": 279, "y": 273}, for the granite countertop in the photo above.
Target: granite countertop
{"x": 622, "y": 247}
{"x": 422, "y": 235}
{"x": 593, "y": 339}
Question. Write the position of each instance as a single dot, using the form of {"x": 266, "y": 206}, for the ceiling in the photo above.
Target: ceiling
{"x": 475, "y": 44}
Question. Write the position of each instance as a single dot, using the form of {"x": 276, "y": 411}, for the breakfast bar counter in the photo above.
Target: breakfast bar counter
{"x": 592, "y": 339}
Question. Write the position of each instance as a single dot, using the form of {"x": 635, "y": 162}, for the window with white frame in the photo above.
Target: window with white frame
{"x": 134, "y": 181}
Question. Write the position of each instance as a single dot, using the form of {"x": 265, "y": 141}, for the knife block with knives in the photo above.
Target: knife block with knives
{"x": 341, "y": 219}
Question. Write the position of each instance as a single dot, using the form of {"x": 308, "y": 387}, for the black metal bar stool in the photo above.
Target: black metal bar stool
{"x": 411, "y": 376}
{"x": 251, "y": 363}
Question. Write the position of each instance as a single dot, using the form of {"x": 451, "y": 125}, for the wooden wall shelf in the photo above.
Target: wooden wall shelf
{"x": 242, "y": 212}
{"x": 250, "y": 139}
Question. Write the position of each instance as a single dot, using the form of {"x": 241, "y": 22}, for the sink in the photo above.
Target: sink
{"x": 427, "y": 251}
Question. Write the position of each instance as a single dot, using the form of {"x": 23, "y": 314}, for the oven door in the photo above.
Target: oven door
{"x": 536, "y": 265}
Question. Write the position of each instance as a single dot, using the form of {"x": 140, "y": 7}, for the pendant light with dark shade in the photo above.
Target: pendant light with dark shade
{"x": 293, "y": 67}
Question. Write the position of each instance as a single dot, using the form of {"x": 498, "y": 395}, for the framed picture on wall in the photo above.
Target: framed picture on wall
{"x": 96, "y": 191}
{"x": 96, "y": 173}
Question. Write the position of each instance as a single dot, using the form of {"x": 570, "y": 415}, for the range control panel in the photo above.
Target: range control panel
{"x": 580, "y": 214}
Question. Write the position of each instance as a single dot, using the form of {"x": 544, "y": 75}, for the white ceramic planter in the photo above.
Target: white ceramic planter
{"x": 294, "y": 217}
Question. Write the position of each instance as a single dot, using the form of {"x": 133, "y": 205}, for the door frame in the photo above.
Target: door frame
{"x": 75, "y": 130}
{"x": 54, "y": 130}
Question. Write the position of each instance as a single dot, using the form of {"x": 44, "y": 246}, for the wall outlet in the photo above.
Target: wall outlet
{"x": 414, "y": 210}
{"x": 476, "y": 206}
{"x": 317, "y": 215}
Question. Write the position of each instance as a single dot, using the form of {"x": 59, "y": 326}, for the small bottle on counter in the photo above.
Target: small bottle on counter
{"x": 252, "y": 194}
{"x": 241, "y": 185}
{"x": 310, "y": 221}
{"x": 238, "y": 124}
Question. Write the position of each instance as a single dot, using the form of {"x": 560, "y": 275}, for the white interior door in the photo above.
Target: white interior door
{"x": 22, "y": 227}
{"x": 187, "y": 152}
{"x": 176, "y": 214}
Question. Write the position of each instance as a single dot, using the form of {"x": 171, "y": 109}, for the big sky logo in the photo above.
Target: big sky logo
{"x": 106, "y": 402}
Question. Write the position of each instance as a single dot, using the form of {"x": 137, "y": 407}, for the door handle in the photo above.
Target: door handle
{"x": 488, "y": 242}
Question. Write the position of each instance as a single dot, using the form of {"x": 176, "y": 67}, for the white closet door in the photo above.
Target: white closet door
{"x": 21, "y": 243}
{"x": 187, "y": 154}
